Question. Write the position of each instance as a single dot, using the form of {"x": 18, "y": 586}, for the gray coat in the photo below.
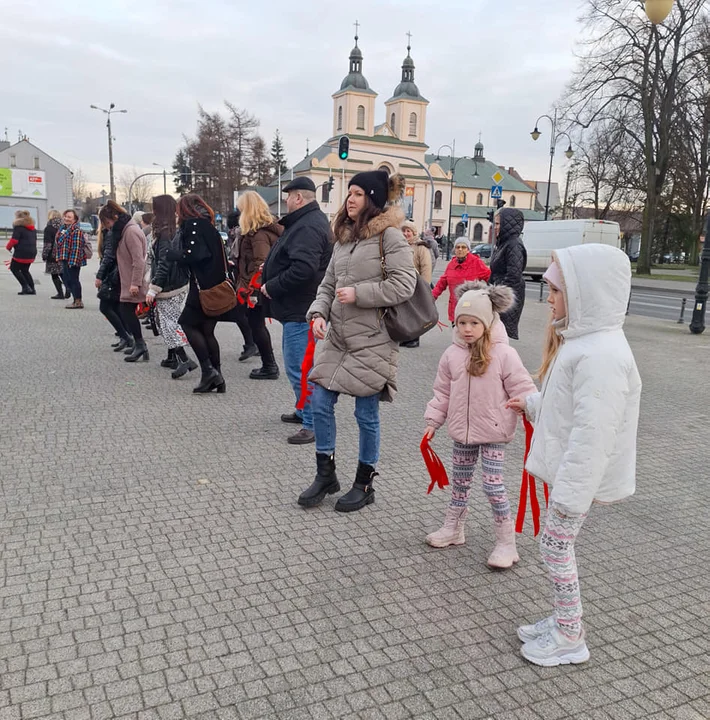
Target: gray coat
{"x": 357, "y": 356}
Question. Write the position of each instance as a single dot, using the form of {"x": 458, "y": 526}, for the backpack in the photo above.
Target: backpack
{"x": 88, "y": 250}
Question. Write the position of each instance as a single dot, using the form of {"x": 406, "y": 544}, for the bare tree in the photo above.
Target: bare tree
{"x": 80, "y": 189}
{"x": 141, "y": 192}
{"x": 634, "y": 72}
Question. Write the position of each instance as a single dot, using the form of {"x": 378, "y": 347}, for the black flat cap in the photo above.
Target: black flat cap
{"x": 301, "y": 183}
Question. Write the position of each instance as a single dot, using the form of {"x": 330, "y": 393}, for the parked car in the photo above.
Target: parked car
{"x": 634, "y": 256}
{"x": 87, "y": 228}
{"x": 483, "y": 250}
{"x": 224, "y": 236}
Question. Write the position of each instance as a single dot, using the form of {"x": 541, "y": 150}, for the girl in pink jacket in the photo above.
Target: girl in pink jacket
{"x": 477, "y": 376}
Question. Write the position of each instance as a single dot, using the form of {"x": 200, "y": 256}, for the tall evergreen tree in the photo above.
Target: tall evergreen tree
{"x": 278, "y": 155}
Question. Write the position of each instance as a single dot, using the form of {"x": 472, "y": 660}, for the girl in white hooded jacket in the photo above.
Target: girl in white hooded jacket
{"x": 586, "y": 419}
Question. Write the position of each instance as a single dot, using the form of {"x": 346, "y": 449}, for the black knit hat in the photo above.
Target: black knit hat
{"x": 375, "y": 183}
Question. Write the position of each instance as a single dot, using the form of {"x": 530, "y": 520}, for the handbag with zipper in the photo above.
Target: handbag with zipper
{"x": 220, "y": 298}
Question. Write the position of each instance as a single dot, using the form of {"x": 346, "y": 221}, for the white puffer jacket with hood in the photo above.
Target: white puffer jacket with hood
{"x": 586, "y": 415}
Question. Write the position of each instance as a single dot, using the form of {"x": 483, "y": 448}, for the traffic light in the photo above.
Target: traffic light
{"x": 344, "y": 147}
{"x": 331, "y": 183}
{"x": 500, "y": 203}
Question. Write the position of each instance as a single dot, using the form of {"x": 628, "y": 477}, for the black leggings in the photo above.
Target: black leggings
{"x": 262, "y": 339}
{"x": 71, "y": 279}
{"x": 203, "y": 341}
{"x": 22, "y": 272}
{"x": 130, "y": 320}
{"x": 111, "y": 310}
{"x": 57, "y": 280}
{"x": 240, "y": 313}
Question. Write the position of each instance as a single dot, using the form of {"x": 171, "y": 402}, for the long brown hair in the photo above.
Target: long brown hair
{"x": 347, "y": 230}
{"x": 553, "y": 341}
{"x": 480, "y": 357}
{"x": 164, "y": 209}
{"x": 111, "y": 210}
{"x": 193, "y": 206}
{"x": 100, "y": 241}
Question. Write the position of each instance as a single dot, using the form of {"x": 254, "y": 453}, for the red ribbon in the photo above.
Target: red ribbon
{"x": 529, "y": 482}
{"x": 306, "y": 366}
{"x": 437, "y": 471}
{"x": 245, "y": 294}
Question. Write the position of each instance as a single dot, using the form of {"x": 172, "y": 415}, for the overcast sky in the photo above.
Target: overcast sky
{"x": 484, "y": 65}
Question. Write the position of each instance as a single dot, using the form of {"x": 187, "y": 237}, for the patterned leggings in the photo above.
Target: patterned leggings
{"x": 169, "y": 310}
{"x": 557, "y": 550}
{"x": 492, "y": 457}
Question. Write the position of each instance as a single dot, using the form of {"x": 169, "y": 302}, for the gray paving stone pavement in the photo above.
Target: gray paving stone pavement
{"x": 129, "y": 590}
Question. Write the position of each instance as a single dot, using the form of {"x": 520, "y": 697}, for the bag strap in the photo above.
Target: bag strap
{"x": 383, "y": 265}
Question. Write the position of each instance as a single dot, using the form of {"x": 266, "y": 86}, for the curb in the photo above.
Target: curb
{"x": 688, "y": 292}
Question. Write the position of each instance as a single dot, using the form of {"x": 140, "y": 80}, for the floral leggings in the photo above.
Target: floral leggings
{"x": 464, "y": 464}
{"x": 557, "y": 550}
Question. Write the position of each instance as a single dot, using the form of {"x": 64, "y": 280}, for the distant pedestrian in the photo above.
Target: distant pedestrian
{"x": 477, "y": 375}
{"x": 131, "y": 253}
{"x": 422, "y": 262}
{"x": 463, "y": 266}
{"x": 240, "y": 312}
{"x": 356, "y": 356}
{"x": 508, "y": 262}
{"x": 108, "y": 284}
{"x": 69, "y": 250}
{"x": 199, "y": 248}
{"x": 52, "y": 266}
{"x": 291, "y": 276}
{"x": 586, "y": 421}
{"x": 258, "y": 233}
{"x": 168, "y": 286}
{"x": 23, "y": 244}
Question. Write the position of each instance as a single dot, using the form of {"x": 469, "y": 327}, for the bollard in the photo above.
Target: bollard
{"x": 628, "y": 305}
{"x": 682, "y": 312}
{"x": 542, "y": 285}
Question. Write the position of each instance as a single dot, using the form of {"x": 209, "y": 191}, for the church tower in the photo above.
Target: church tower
{"x": 406, "y": 109}
{"x": 354, "y": 103}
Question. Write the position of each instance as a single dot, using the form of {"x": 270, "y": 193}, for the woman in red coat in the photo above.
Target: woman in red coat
{"x": 464, "y": 266}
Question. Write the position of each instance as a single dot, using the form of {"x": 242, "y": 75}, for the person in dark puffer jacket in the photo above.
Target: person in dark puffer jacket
{"x": 508, "y": 264}
{"x": 23, "y": 245}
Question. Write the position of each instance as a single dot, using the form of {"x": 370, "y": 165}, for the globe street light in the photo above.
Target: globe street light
{"x": 110, "y": 144}
{"x": 658, "y": 10}
{"x": 535, "y": 135}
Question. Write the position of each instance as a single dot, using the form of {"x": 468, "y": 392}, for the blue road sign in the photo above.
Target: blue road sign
{"x": 497, "y": 192}
{"x": 464, "y": 217}
{"x": 218, "y": 217}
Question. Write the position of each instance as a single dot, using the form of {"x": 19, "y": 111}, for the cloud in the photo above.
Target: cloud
{"x": 485, "y": 67}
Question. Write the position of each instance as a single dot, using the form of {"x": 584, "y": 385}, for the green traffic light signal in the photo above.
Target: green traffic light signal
{"x": 344, "y": 147}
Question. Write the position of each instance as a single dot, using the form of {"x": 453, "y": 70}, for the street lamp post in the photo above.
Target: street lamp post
{"x": 165, "y": 178}
{"x": 535, "y": 134}
{"x": 697, "y": 324}
{"x": 453, "y": 162}
{"x": 110, "y": 144}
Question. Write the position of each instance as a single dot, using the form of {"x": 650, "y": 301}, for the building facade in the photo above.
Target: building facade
{"x": 456, "y": 199}
{"x": 32, "y": 180}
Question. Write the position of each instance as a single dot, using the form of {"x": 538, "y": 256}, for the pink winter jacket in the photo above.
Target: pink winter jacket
{"x": 474, "y": 407}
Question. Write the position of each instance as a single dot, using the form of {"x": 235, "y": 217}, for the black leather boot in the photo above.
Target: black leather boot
{"x": 361, "y": 493}
{"x": 124, "y": 344}
{"x": 184, "y": 364}
{"x": 326, "y": 482}
{"x": 171, "y": 361}
{"x": 211, "y": 379}
{"x": 249, "y": 352}
{"x": 266, "y": 372}
{"x": 140, "y": 351}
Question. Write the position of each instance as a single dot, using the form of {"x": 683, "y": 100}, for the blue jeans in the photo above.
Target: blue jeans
{"x": 293, "y": 344}
{"x": 367, "y": 414}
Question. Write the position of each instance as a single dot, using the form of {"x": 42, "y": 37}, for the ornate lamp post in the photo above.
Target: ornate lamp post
{"x": 535, "y": 134}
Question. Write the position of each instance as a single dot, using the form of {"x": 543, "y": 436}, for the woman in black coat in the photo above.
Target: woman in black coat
{"x": 52, "y": 266}
{"x": 108, "y": 284}
{"x": 199, "y": 248}
{"x": 23, "y": 244}
{"x": 508, "y": 263}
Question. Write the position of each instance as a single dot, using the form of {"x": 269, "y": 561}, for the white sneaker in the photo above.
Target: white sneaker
{"x": 529, "y": 632}
{"x": 553, "y": 648}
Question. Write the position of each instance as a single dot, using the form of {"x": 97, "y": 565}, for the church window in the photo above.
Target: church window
{"x": 340, "y": 117}
{"x": 360, "y": 117}
{"x": 413, "y": 125}
{"x": 479, "y": 199}
{"x": 512, "y": 201}
{"x": 392, "y": 121}
{"x": 478, "y": 232}
{"x": 462, "y": 198}
{"x": 437, "y": 200}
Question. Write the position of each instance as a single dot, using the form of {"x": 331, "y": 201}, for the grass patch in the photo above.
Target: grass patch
{"x": 664, "y": 276}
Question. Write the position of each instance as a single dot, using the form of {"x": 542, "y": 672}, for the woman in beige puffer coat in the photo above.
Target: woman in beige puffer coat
{"x": 356, "y": 355}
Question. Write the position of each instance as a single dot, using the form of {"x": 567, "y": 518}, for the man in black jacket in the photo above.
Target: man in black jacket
{"x": 290, "y": 278}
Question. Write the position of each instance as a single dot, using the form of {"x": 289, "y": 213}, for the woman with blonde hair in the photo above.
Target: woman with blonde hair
{"x": 51, "y": 265}
{"x": 259, "y": 233}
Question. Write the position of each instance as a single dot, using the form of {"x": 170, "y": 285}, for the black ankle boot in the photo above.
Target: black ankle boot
{"x": 184, "y": 364}
{"x": 249, "y": 352}
{"x": 326, "y": 482}
{"x": 211, "y": 379}
{"x": 171, "y": 361}
{"x": 266, "y": 372}
{"x": 140, "y": 350}
{"x": 125, "y": 343}
{"x": 362, "y": 493}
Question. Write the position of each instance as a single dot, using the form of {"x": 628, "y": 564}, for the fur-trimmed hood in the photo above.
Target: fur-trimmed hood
{"x": 391, "y": 216}
{"x": 24, "y": 221}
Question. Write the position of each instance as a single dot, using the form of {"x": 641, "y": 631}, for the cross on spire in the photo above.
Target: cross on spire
{"x": 409, "y": 42}
{"x": 357, "y": 28}
{"x": 308, "y": 152}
